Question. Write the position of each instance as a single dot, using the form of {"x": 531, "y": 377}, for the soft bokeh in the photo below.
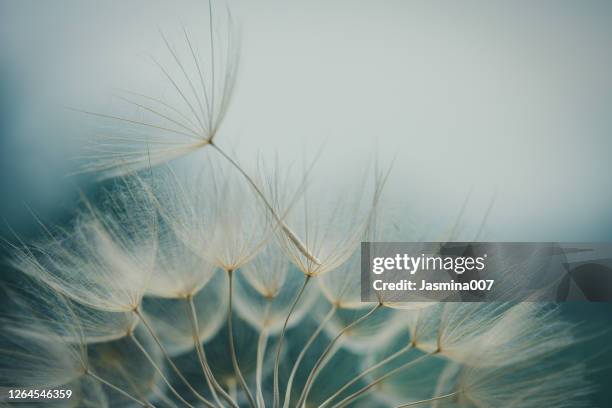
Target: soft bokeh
{"x": 508, "y": 100}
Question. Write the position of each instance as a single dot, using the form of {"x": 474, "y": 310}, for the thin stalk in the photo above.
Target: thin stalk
{"x": 230, "y": 330}
{"x": 158, "y": 369}
{"x": 311, "y": 340}
{"x": 282, "y": 337}
{"x": 126, "y": 376}
{"x": 232, "y": 388}
{"x": 163, "y": 398}
{"x": 119, "y": 390}
{"x": 261, "y": 351}
{"x": 381, "y": 363}
{"x": 212, "y": 383}
{"x": 169, "y": 359}
{"x": 286, "y": 229}
{"x": 411, "y": 404}
{"x": 380, "y": 379}
{"x": 321, "y": 362}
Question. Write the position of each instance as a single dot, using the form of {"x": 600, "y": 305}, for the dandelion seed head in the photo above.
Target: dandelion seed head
{"x": 209, "y": 272}
{"x": 214, "y": 214}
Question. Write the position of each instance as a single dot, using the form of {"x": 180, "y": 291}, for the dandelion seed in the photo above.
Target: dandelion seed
{"x": 104, "y": 262}
{"x": 548, "y": 382}
{"x": 330, "y": 231}
{"x": 443, "y": 330}
{"x": 265, "y": 289}
{"x": 178, "y": 271}
{"x": 33, "y": 304}
{"x": 342, "y": 289}
{"x": 40, "y": 356}
{"x": 202, "y": 85}
{"x": 326, "y": 250}
{"x": 217, "y": 217}
{"x": 214, "y": 214}
{"x": 265, "y": 292}
{"x": 502, "y": 333}
{"x": 34, "y": 356}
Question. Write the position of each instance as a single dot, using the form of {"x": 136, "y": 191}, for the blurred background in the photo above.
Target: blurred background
{"x": 500, "y": 105}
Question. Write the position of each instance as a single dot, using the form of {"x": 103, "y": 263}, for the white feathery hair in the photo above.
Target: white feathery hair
{"x": 267, "y": 272}
{"x": 214, "y": 213}
{"x": 37, "y": 357}
{"x": 266, "y": 289}
{"x": 535, "y": 383}
{"x": 201, "y": 79}
{"x": 373, "y": 333}
{"x": 423, "y": 326}
{"x": 34, "y": 354}
{"x": 342, "y": 286}
{"x": 73, "y": 322}
{"x": 171, "y": 320}
{"x": 342, "y": 289}
{"x": 104, "y": 261}
{"x": 330, "y": 226}
{"x": 522, "y": 332}
{"x": 490, "y": 334}
{"x": 179, "y": 272}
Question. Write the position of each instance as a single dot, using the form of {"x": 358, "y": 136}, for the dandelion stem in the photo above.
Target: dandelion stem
{"x": 300, "y": 357}
{"x": 410, "y": 404}
{"x": 282, "y": 337}
{"x": 169, "y": 359}
{"x": 261, "y": 350}
{"x": 286, "y": 229}
{"x": 212, "y": 383}
{"x": 381, "y": 363}
{"x": 127, "y": 377}
{"x": 232, "y": 388}
{"x": 230, "y": 330}
{"x": 158, "y": 369}
{"x": 162, "y": 397}
{"x": 322, "y": 361}
{"x": 120, "y": 391}
{"x": 380, "y": 379}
